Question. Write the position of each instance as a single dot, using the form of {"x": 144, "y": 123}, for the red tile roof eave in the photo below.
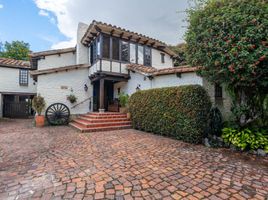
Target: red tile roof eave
{"x": 13, "y": 63}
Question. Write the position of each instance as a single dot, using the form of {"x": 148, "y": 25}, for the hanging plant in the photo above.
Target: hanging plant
{"x": 72, "y": 98}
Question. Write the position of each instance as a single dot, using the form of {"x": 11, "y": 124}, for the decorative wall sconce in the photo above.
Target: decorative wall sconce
{"x": 85, "y": 87}
{"x": 138, "y": 88}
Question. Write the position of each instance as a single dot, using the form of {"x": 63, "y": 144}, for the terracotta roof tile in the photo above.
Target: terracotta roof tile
{"x": 58, "y": 69}
{"x": 9, "y": 62}
{"x": 97, "y": 27}
{"x": 152, "y": 71}
{"x": 53, "y": 52}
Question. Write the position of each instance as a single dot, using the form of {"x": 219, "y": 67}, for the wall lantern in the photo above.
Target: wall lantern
{"x": 138, "y": 88}
{"x": 85, "y": 87}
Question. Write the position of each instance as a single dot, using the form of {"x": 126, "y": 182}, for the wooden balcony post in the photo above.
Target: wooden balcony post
{"x": 101, "y": 108}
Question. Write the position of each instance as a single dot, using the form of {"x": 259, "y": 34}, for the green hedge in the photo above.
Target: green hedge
{"x": 180, "y": 112}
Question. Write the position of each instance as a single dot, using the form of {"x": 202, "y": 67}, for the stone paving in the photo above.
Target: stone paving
{"x": 60, "y": 163}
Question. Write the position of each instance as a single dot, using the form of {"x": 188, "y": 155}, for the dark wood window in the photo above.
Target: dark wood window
{"x": 125, "y": 51}
{"x": 115, "y": 49}
{"x": 24, "y": 77}
{"x": 147, "y": 56}
{"x": 218, "y": 91}
{"x": 140, "y": 55}
{"x": 133, "y": 53}
{"x": 162, "y": 57}
{"x": 93, "y": 52}
{"x": 106, "y": 46}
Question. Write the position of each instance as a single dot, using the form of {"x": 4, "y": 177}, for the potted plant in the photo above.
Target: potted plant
{"x": 72, "y": 98}
{"x": 39, "y": 105}
{"x": 123, "y": 101}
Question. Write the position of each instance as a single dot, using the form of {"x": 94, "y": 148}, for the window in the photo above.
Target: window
{"x": 132, "y": 53}
{"x": 98, "y": 48}
{"x": 115, "y": 48}
{"x": 162, "y": 57}
{"x": 218, "y": 91}
{"x": 147, "y": 56}
{"x": 106, "y": 47}
{"x": 93, "y": 53}
{"x": 23, "y": 77}
{"x": 140, "y": 54}
{"x": 124, "y": 51}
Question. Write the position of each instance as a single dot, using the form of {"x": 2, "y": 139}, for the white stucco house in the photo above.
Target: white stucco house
{"x": 106, "y": 61}
{"x": 17, "y": 88}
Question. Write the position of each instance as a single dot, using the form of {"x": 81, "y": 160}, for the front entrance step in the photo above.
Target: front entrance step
{"x": 102, "y": 124}
{"x": 93, "y": 122}
{"x": 83, "y": 129}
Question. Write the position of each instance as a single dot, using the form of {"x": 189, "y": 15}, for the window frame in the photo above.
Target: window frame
{"x": 22, "y": 80}
{"x": 144, "y": 48}
{"x": 218, "y": 91}
{"x": 163, "y": 60}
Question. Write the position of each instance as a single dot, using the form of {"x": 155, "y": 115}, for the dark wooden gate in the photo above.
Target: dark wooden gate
{"x": 16, "y": 109}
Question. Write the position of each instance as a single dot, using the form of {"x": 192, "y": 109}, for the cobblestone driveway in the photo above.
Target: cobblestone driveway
{"x": 59, "y": 163}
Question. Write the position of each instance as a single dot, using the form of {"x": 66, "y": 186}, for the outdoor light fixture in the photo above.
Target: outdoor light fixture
{"x": 138, "y": 87}
{"x": 85, "y": 87}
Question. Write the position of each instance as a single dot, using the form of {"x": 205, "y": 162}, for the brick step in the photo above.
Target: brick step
{"x": 90, "y": 116}
{"x": 102, "y": 124}
{"x": 106, "y": 113}
{"x": 84, "y": 129}
{"x": 94, "y": 120}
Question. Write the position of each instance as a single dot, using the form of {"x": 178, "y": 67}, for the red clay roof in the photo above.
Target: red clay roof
{"x": 9, "y": 62}
{"x": 59, "y": 69}
{"x": 96, "y": 27}
{"x": 53, "y": 52}
{"x": 152, "y": 71}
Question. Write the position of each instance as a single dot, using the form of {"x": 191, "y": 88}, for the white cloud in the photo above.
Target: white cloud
{"x": 155, "y": 18}
{"x": 43, "y": 13}
{"x": 1, "y": 6}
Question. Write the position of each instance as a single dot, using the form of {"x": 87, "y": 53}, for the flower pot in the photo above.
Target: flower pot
{"x": 128, "y": 115}
{"x": 39, "y": 121}
{"x": 123, "y": 110}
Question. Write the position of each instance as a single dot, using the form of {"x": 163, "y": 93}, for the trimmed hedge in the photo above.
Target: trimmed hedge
{"x": 180, "y": 112}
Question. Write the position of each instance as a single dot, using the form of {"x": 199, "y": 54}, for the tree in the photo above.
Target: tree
{"x": 228, "y": 38}
{"x": 180, "y": 50}
{"x": 18, "y": 50}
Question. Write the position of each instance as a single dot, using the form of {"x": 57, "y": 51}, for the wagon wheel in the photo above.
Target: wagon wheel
{"x": 57, "y": 114}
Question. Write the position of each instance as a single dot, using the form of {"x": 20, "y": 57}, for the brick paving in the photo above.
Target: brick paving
{"x": 60, "y": 163}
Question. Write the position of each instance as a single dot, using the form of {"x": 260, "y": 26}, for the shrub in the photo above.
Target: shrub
{"x": 72, "y": 98}
{"x": 123, "y": 99}
{"x": 180, "y": 112}
{"x": 38, "y": 104}
{"x": 246, "y": 139}
{"x": 215, "y": 122}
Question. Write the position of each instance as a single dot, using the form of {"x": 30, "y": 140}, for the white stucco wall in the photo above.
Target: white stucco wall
{"x": 156, "y": 60}
{"x": 82, "y": 52}
{"x": 158, "y": 82}
{"x": 53, "y": 61}
{"x": 9, "y": 83}
{"x": 57, "y": 86}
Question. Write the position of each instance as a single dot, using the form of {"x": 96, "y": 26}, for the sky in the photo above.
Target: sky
{"x": 52, "y": 24}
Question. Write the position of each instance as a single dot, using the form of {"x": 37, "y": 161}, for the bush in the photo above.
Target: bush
{"x": 180, "y": 112}
{"x": 246, "y": 139}
{"x": 215, "y": 122}
{"x": 123, "y": 99}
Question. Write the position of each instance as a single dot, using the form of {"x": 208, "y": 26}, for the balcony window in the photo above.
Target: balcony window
{"x": 106, "y": 47}
{"x": 124, "y": 51}
{"x": 115, "y": 49}
{"x": 24, "y": 77}
{"x": 140, "y": 55}
{"x": 147, "y": 56}
{"x": 132, "y": 53}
